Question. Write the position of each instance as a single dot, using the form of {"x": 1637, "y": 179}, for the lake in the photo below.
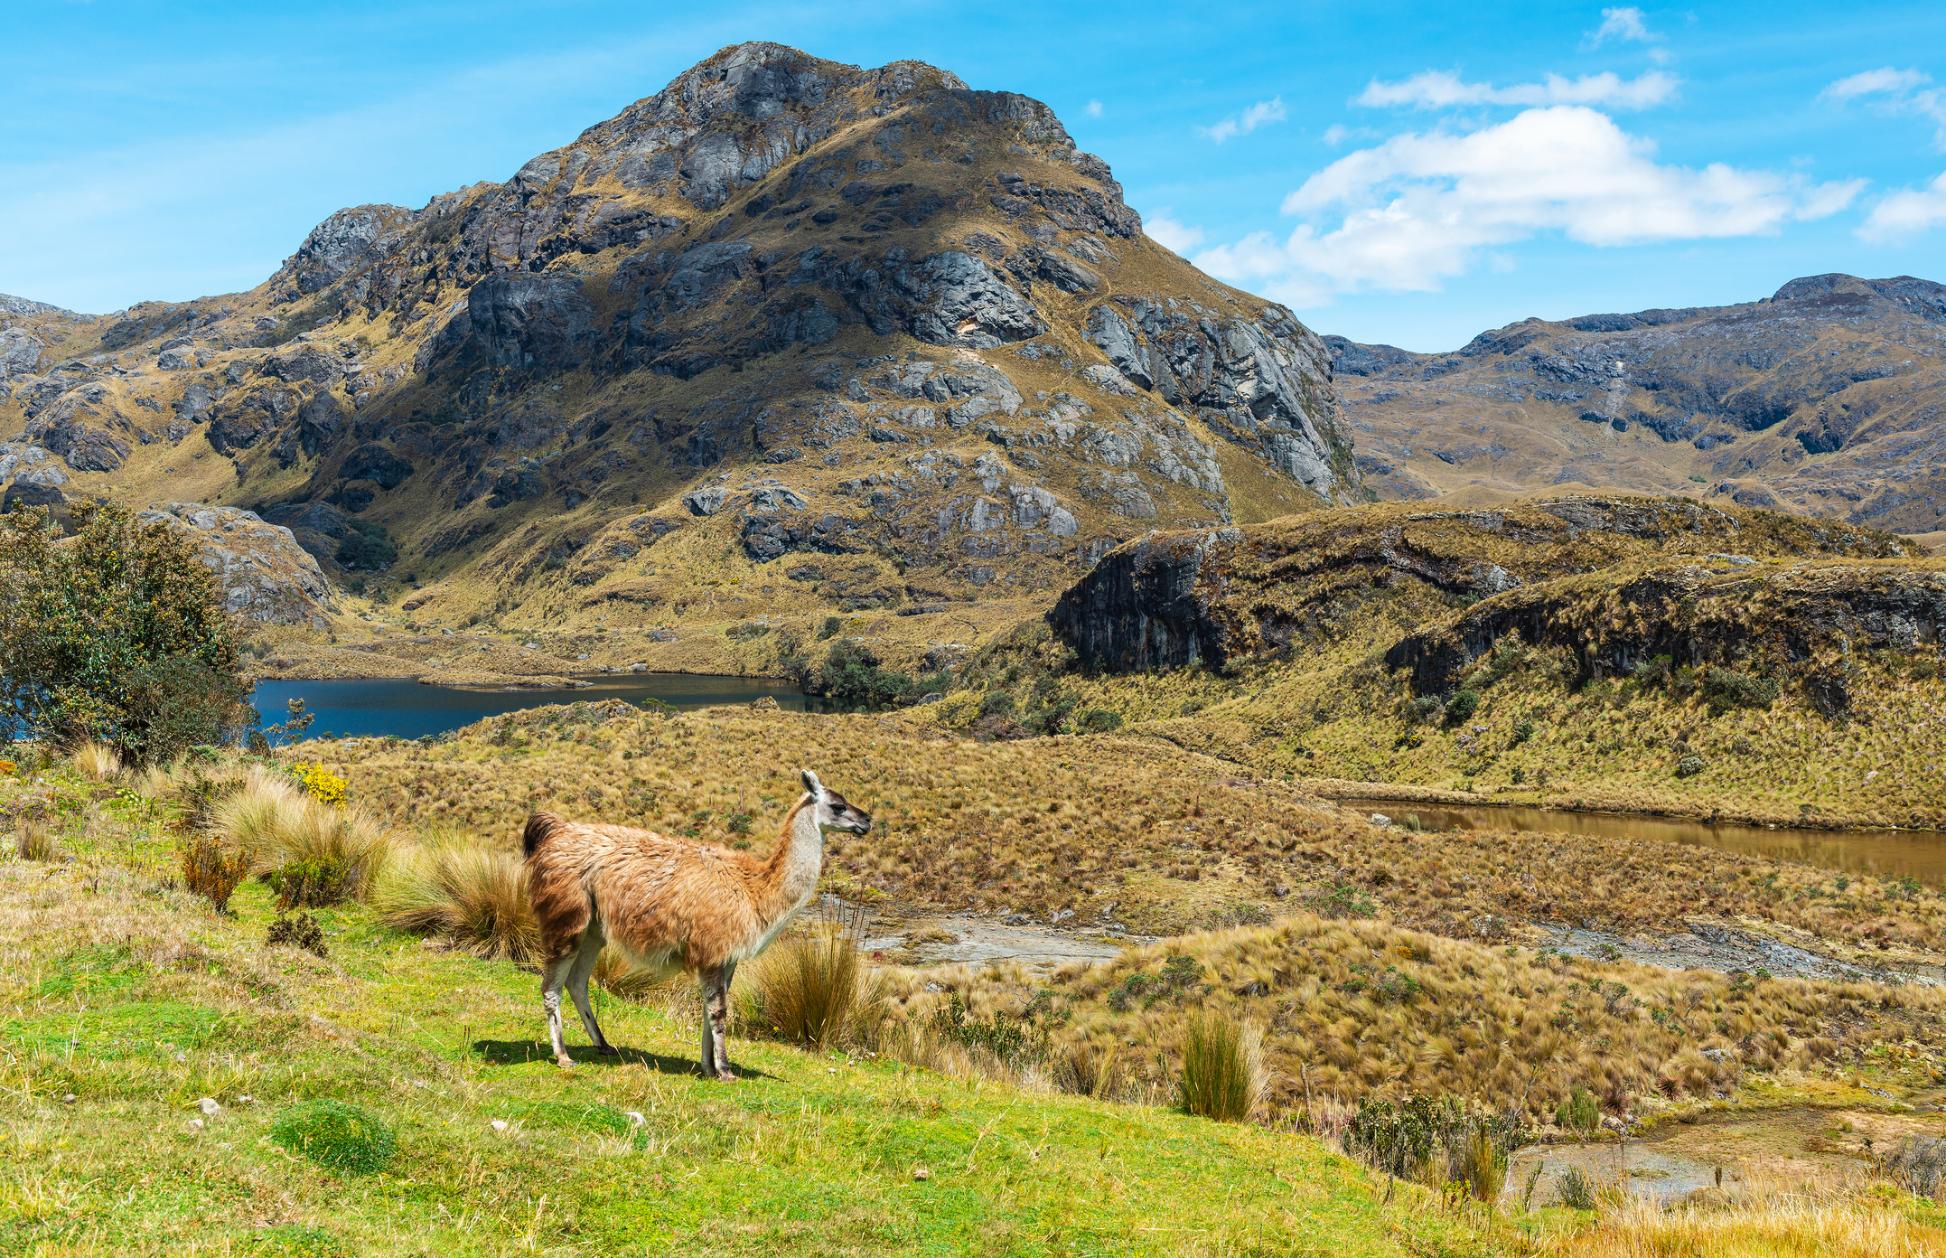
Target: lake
{"x": 407, "y": 709}
{"x": 1919, "y": 854}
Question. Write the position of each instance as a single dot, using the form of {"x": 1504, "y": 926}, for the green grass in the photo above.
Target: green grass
{"x": 817, "y": 1154}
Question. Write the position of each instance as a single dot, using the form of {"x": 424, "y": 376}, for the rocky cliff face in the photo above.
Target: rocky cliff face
{"x": 1826, "y": 397}
{"x": 1217, "y": 598}
{"x": 909, "y": 334}
{"x": 265, "y": 575}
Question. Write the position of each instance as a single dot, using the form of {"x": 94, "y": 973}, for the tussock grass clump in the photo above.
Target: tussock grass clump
{"x": 314, "y": 853}
{"x": 1575, "y": 1190}
{"x": 97, "y": 761}
{"x": 811, "y": 989}
{"x": 1222, "y": 1067}
{"x": 34, "y": 843}
{"x": 213, "y": 869}
{"x": 474, "y": 896}
{"x": 337, "y": 1136}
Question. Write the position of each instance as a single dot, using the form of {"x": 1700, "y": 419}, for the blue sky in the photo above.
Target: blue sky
{"x": 1394, "y": 172}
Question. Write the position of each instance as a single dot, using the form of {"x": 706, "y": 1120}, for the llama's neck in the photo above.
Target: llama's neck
{"x": 799, "y": 858}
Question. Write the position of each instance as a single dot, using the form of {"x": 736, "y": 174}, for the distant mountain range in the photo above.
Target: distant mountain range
{"x": 1828, "y": 397}
{"x": 786, "y": 338}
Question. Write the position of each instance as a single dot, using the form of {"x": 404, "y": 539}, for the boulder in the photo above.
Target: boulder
{"x": 265, "y": 575}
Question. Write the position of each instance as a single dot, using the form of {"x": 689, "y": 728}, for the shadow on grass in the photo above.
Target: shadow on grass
{"x": 516, "y": 1052}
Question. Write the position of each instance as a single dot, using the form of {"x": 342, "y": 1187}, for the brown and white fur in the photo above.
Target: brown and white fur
{"x": 669, "y": 904}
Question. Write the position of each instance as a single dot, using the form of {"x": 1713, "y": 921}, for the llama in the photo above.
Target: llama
{"x": 669, "y": 904}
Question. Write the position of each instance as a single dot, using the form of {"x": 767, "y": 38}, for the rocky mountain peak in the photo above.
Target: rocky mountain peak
{"x": 909, "y": 340}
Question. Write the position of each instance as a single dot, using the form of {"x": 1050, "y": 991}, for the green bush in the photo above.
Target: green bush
{"x": 1010, "y": 1039}
{"x": 1098, "y": 721}
{"x": 314, "y": 882}
{"x": 1435, "y": 1142}
{"x": 367, "y": 548}
{"x": 301, "y": 931}
{"x": 1728, "y": 688}
{"x": 1579, "y": 1112}
{"x": 1461, "y": 707}
{"x": 1690, "y": 765}
{"x": 1575, "y": 1190}
{"x": 118, "y": 634}
{"x": 337, "y": 1136}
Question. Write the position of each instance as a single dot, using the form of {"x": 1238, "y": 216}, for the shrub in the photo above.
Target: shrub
{"x": 212, "y": 869}
{"x": 1098, "y": 721}
{"x": 367, "y": 547}
{"x": 314, "y": 882}
{"x": 1424, "y": 708}
{"x": 1007, "y": 1039}
{"x": 118, "y": 634}
{"x": 810, "y": 989}
{"x": 337, "y": 1136}
{"x": 1575, "y": 1190}
{"x": 1690, "y": 765}
{"x": 327, "y": 851}
{"x": 1461, "y": 707}
{"x": 1523, "y": 732}
{"x": 475, "y": 896}
{"x": 321, "y": 783}
{"x": 1727, "y": 688}
{"x": 1434, "y": 1141}
{"x": 1918, "y": 1165}
{"x": 301, "y": 931}
{"x": 1579, "y": 1112}
{"x": 851, "y": 677}
{"x": 1222, "y": 1067}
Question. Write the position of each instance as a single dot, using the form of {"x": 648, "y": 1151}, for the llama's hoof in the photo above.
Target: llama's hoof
{"x": 608, "y": 1050}
{"x": 726, "y": 1075}
{"x": 564, "y": 1061}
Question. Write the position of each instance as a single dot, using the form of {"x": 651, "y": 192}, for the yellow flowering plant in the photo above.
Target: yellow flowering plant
{"x": 321, "y": 783}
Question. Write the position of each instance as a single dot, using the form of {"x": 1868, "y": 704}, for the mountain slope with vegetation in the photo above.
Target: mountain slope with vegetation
{"x": 1824, "y": 398}
{"x": 786, "y": 339}
{"x": 1611, "y": 651}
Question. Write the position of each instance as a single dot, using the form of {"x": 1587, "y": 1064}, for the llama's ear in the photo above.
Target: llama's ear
{"x": 811, "y": 783}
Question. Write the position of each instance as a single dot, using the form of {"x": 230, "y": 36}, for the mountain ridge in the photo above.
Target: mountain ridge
{"x": 1824, "y": 397}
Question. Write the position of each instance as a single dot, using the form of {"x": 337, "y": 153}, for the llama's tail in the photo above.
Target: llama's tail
{"x": 540, "y": 828}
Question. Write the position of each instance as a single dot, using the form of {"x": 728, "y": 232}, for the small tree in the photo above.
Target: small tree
{"x": 116, "y": 634}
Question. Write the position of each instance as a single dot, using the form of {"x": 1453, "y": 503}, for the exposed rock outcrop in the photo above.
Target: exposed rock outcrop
{"x": 266, "y": 576}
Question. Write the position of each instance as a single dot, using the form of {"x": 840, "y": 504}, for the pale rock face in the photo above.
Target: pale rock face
{"x": 265, "y": 575}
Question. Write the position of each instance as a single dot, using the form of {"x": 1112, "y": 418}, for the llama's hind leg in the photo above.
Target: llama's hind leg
{"x": 585, "y": 957}
{"x": 554, "y": 975}
{"x": 716, "y": 1018}
{"x": 709, "y": 1036}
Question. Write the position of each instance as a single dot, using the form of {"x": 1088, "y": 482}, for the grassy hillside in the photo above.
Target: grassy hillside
{"x": 1599, "y": 651}
{"x": 128, "y": 1003}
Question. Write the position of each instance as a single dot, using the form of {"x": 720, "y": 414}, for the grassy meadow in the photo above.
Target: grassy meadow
{"x": 175, "y": 1081}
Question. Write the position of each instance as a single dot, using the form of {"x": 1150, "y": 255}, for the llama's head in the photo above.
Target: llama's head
{"x": 833, "y": 813}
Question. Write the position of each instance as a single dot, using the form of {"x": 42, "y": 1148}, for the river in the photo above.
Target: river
{"x": 407, "y": 709}
{"x": 1919, "y": 854}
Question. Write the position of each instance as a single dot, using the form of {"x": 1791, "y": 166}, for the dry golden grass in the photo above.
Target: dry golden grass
{"x": 1353, "y": 1009}
{"x": 97, "y": 761}
{"x": 812, "y": 987}
{"x": 474, "y": 896}
{"x": 1778, "y": 1223}
{"x": 1106, "y": 827}
{"x": 1222, "y": 1067}
{"x": 282, "y": 828}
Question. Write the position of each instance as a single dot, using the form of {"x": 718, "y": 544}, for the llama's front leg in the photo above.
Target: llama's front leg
{"x": 554, "y": 974}
{"x": 716, "y": 1016}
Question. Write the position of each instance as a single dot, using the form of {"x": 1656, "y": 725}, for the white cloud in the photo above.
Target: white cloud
{"x": 1896, "y": 91}
{"x": 1440, "y": 89}
{"x": 1261, "y": 114}
{"x": 1092, "y": 109}
{"x": 1907, "y": 212}
{"x": 1421, "y": 208}
{"x": 1625, "y": 25}
{"x": 1171, "y": 233}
